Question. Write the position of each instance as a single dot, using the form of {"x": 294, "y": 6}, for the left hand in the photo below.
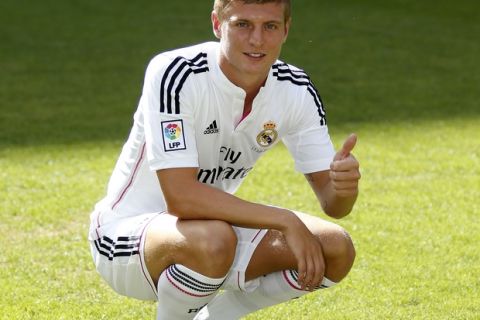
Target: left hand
{"x": 344, "y": 169}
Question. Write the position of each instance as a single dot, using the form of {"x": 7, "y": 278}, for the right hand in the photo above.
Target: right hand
{"x": 308, "y": 252}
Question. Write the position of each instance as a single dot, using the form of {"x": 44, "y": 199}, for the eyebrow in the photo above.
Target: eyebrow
{"x": 237, "y": 19}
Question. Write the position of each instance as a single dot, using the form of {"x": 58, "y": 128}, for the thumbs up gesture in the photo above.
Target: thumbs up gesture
{"x": 344, "y": 169}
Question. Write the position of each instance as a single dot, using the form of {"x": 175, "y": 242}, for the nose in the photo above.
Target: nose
{"x": 256, "y": 37}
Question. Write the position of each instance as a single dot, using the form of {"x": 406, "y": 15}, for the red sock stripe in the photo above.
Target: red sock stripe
{"x": 184, "y": 291}
{"x": 290, "y": 281}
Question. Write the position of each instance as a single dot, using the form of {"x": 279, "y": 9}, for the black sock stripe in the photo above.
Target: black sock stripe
{"x": 180, "y": 275}
{"x": 191, "y": 282}
{"x": 294, "y": 275}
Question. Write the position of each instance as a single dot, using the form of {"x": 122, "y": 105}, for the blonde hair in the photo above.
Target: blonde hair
{"x": 220, "y": 6}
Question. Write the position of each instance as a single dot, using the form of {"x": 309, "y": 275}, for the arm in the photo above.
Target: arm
{"x": 187, "y": 198}
{"x": 337, "y": 189}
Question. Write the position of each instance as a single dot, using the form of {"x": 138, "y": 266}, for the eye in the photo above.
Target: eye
{"x": 241, "y": 24}
{"x": 271, "y": 26}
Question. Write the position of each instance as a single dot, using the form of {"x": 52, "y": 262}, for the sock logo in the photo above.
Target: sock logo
{"x": 212, "y": 128}
{"x": 195, "y": 310}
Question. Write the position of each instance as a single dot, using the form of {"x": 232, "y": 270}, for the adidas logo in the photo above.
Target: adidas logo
{"x": 212, "y": 128}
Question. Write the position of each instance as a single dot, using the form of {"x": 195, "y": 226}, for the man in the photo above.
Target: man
{"x": 170, "y": 228}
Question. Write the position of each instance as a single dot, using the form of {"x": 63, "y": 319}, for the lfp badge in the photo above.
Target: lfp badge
{"x": 268, "y": 135}
{"x": 173, "y": 137}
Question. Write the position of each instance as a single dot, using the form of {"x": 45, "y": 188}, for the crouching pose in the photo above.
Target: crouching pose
{"x": 171, "y": 229}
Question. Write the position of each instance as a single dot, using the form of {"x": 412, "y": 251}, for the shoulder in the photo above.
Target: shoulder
{"x": 299, "y": 88}
{"x": 178, "y": 61}
{"x": 291, "y": 75}
{"x": 170, "y": 74}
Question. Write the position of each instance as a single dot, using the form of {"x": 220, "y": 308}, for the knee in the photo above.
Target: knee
{"x": 339, "y": 252}
{"x": 216, "y": 247}
{"x": 346, "y": 247}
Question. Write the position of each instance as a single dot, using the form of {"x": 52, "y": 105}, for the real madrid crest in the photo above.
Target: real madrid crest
{"x": 268, "y": 135}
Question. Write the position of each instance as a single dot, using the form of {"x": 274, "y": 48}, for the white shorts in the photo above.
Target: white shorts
{"x": 118, "y": 252}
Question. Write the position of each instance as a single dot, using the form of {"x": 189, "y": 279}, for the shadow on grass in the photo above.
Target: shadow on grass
{"x": 73, "y": 71}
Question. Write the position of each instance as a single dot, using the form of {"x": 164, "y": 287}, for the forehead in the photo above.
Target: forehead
{"x": 271, "y": 11}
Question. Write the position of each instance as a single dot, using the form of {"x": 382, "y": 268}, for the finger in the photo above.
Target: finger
{"x": 301, "y": 273}
{"x": 347, "y": 147}
{"x": 310, "y": 274}
{"x": 353, "y": 175}
{"x": 344, "y": 185}
{"x": 319, "y": 270}
{"x": 346, "y": 164}
{"x": 347, "y": 192}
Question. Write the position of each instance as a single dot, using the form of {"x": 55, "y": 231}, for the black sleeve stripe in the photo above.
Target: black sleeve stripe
{"x": 162, "y": 85}
{"x": 284, "y": 69}
{"x": 178, "y": 66}
{"x": 180, "y": 85}
{"x": 174, "y": 77}
{"x": 298, "y": 77}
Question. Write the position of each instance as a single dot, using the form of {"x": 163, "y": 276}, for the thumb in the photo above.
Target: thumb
{"x": 347, "y": 147}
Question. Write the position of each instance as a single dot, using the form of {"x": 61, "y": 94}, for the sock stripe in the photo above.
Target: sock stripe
{"x": 294, "y": 275}
{"x": 291, "y": 276}
{"x": 292, "y": 281}
{"x": 181, "y": 278}
{"x": 178, "y": 274}
{"x": 185, "y": 291}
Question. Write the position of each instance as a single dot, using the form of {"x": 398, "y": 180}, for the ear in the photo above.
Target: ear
{"x": 287, "y": 29}
{"x": 216, "y": 25}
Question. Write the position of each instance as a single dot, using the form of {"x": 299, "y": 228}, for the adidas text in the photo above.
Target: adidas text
{"x": 212, "y": 128}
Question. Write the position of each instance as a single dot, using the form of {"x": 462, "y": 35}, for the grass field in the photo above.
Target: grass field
{"x": 403, "y": 74}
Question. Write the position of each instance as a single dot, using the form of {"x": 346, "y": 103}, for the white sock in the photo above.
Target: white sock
{"x": 183, "y": 292}
{"x": 274, "y": 288}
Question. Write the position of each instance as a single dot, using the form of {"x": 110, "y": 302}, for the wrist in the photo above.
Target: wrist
{"x": 287, "y": 221}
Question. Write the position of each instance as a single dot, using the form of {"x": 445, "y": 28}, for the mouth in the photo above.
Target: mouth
{"x": 255, "y": 55}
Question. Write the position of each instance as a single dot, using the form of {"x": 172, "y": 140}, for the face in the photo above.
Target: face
{"x": 251, "y": 38}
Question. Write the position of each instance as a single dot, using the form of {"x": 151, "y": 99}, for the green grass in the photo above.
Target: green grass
{"x": 402, "y": 74}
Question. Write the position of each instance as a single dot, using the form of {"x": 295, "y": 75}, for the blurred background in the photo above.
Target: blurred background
{"x": 403, "y": 74}
{"x": 64, "y": 63}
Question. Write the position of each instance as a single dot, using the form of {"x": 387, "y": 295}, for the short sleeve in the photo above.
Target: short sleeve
{"x": 168, "y": 117}
{"x": 308, "y": 139}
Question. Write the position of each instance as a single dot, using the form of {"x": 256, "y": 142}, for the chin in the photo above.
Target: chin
{"x": 257, "y": 68}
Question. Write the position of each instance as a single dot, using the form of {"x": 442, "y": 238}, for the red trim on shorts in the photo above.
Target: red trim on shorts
{"x": 98, "y": 225}
{"x": 134, "y": 173}
{"x": 142, "y": 256}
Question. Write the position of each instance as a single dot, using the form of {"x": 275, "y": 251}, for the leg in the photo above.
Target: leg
{"x": 273, "y": 253}
{"x": 206, "y": 246}
{"x": 274, "y": 259}
{"x": 188, "y": 260}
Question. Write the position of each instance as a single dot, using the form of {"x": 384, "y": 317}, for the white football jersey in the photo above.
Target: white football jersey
{"x": 190, "y": 115}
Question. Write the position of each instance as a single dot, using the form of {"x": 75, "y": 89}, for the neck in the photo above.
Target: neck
{"x": 250, "y": 83}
